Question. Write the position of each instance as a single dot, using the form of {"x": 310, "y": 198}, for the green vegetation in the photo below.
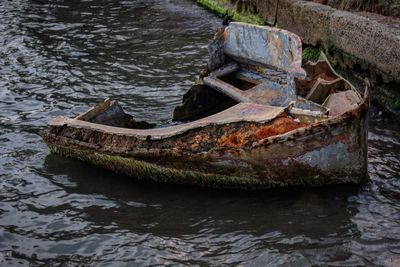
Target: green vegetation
{"x": 220, "y": 7}
{"x": 213, "y": 6}
{"x": 310, "y": 53}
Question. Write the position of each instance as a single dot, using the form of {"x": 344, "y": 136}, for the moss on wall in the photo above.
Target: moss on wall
{"x": 311, "y": 53}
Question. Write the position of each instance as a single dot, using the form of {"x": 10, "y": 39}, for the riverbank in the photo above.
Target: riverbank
{"x": 358, "y": 43}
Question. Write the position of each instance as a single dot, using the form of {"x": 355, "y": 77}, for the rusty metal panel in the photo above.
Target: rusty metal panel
{"x": 265, "y": 45}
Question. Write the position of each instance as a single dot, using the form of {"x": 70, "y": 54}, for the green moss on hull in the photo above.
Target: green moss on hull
{"x": 147, "y": 171}
{"x": 221, "y": 8}
{"x": 151, "y": 172}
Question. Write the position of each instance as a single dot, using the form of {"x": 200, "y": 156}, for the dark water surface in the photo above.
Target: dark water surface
{"x": 61, "y": 57}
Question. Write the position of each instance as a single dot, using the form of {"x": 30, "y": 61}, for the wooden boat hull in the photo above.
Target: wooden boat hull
{"x": 333, "y": 151}
{"x": 275, "y": 123}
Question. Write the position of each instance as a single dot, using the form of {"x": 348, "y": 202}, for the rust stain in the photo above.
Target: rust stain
{"x": 291, "y": 56}
{"x": 241, "y": 137}
{"x": 235, "y": 139}
{"x": 279, "y": 126}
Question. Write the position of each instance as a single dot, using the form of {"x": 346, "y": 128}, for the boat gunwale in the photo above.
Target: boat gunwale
{"x": 162, "y": 133}
{"x": 312, "y": 128}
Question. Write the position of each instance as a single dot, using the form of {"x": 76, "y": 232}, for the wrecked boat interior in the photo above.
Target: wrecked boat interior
{"x": 244, "y": 74}
{"x": 252, "y": 115}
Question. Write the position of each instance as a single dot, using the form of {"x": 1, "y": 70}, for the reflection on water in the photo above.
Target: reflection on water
{"x": 59, "y": 58}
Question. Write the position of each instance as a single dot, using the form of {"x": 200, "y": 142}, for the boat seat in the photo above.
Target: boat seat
{"x": 274, "y": 90}
{"x": 267, "y": 52}
{"x": 225, "y": 88}
{"x": 265, "y": 46}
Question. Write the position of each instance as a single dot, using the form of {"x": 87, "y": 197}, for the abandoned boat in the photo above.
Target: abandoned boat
{"x": 255, "y": 118}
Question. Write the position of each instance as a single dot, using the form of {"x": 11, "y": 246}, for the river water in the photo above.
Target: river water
{"x": 60, "y": 58}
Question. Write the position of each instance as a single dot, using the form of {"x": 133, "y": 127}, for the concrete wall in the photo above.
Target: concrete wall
{"x": 372, "y": 44}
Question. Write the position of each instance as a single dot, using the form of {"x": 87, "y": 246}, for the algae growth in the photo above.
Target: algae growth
{"x": 151, "y": 172}
{"x": 141, "y": 170}
{"x": 311, "y": 53}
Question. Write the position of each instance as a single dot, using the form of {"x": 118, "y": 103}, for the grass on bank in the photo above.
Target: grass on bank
{"x": 219, "y": 7}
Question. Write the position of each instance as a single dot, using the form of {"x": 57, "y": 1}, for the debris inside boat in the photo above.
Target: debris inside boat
{"x": 255, "y": 118}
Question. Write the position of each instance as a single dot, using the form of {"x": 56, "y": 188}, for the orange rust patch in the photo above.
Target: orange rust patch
{"x": 235, "y": 139}
{"x": 240, "y": 137}
{"x": 279, "y": 126}
{"x": 225, "y": 35}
